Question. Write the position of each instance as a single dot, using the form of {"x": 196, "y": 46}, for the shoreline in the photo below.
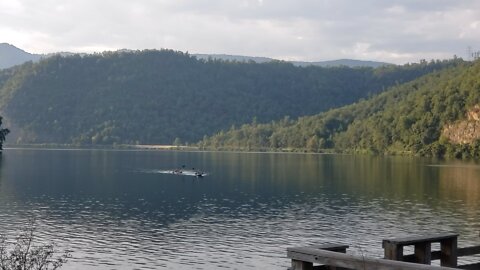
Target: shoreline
{"x": 154, "y": 147}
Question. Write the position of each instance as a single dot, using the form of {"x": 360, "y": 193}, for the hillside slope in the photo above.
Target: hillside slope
{"x": 435, "y": 115}
{"x": 154, "y": 97}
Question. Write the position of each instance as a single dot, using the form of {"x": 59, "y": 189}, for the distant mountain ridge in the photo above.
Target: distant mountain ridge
{"x": 344, "y": 62}
{"x": 12, "y": 56}
{"x": 330, "y": 63}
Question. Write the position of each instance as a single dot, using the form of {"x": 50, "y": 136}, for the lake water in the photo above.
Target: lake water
{"x": 116, "y": 210}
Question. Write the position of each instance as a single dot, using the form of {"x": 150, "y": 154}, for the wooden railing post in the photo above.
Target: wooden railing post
{"x": 393, "y": 251}
{"x": 448, "y": 249}
{"x": 423, "y": 253}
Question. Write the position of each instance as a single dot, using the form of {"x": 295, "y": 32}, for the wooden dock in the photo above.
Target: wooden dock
{"x": 333, "y": 256}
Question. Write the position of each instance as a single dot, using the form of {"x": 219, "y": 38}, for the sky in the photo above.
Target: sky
{"x": 395, "y": 31}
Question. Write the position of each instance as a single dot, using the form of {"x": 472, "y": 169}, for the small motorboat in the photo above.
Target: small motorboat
{"x": 183, "y": 171}
{"x": 200, "y": 174}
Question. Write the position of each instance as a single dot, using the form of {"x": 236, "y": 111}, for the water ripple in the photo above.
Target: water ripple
{"x": 161, "y": 221}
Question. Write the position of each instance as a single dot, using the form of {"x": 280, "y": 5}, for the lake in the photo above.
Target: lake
{"x": 116, "y": 210}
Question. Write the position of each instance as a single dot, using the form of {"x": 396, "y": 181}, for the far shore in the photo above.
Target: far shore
{"x": 118, "y": 146}
{"x": 159, "y": 147}
{"x": 162, "y": 147}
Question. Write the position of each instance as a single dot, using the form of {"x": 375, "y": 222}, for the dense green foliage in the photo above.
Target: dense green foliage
{"x": 405, "y": 119}
{"x": 155, "y": 97}
{"x": 3, "y": 134}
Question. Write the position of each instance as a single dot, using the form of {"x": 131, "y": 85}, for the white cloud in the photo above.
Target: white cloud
{"x": 396, "y": 10}
{"x": 10, "y": 7}
{"x": 312, "y": 30}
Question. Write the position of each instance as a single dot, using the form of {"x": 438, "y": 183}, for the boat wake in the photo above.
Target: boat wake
{"x": 178, "y": 172}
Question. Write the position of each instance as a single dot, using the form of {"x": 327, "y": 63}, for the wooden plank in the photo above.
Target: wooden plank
{"x": 354, "y": 262}
{"x": 301, "y": 265}
{"x": 326, "y": 267}
{"x": 473, "y": 266}
{"x": 332, "y": 247}
{"x": 411, "y": 240}
{"x": 468, "y": 251}
{"x": 435, "y": 255}
{"x": 297, "y": 254}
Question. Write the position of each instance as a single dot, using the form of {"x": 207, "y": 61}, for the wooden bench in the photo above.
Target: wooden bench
{"x": 332, "y": 256}
{"x": 393, "y": 248}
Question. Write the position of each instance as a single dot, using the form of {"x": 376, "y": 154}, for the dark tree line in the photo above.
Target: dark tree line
{"x": 3, "y": 134}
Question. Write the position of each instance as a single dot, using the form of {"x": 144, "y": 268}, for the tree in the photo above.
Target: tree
{"x": 312, "y": 144}
{"x": 3, "y": 134}
{"x": 24, "y": 254}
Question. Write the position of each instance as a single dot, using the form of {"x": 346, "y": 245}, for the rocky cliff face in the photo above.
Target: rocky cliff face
{"x": 464, "y": 131}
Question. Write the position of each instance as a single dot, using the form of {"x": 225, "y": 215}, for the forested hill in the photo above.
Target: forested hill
{"x": 153, "y": 97}
{"x": 436, "y": 115}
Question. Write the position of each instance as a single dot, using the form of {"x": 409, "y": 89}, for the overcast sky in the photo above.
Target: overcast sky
{"x": 307, "y": 30}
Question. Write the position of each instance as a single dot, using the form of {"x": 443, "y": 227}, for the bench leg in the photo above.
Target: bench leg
{"x": 448, "y": 256}
{"x": 393, "y": 252}
{"x": 423, "y": 253}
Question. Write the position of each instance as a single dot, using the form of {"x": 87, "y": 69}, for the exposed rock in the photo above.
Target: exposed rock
{"x": 464, "y": 131}
{"x": 474, "y": 113}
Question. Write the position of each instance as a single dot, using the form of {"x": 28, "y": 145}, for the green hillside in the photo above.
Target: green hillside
{"x": 409, "y": 118}
{"x": 154, "y": 97}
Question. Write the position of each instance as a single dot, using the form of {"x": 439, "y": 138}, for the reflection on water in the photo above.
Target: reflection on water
{"x": 460, "y": 183}
{"x": 114, "y": 213}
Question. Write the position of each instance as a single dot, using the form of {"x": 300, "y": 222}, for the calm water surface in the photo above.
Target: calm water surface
{"x": 116, "y": 211}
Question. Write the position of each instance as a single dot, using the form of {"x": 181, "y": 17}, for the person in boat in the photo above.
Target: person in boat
{"x": 178, "y": 171}
{"x": 199, "y": 173}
